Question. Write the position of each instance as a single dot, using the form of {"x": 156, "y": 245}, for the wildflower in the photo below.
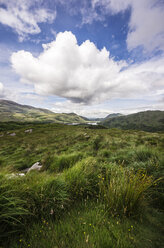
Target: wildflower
{"x": 20, "y": 240}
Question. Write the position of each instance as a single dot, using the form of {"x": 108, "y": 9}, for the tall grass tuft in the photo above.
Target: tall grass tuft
{"x": 97, "y": 142}
{"x": 44, "y": 195}
{"x": 144, "y": 154}
{"x": 123, "y": 191}
{"x": 12, "y": 210}
{"x": 65, "y": 161}
{"x": 82, "y": 179}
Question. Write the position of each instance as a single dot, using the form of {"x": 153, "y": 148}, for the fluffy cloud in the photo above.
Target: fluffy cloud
{"x": 146, "y": 23}
{"x": 84, "y": 74}
{"x": 24, "y": 15}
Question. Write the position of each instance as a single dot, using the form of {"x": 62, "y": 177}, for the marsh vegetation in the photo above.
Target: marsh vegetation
{"x": 97, "y": 187}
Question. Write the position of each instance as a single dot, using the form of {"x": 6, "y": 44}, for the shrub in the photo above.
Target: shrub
{"x": 123, "y": 191}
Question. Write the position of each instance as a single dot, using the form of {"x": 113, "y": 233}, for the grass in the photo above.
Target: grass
{"x": 12, "y": 210}
{"x": 88, "y": 225}
{"x": 64, "y": 161}
{"x": 104, "y": 185}
{"x": 122, "y": 190}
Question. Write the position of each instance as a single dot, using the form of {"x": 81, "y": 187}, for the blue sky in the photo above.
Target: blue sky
{"x": 91, "y": 57}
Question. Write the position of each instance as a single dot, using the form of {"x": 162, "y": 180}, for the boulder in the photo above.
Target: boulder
{"x": 36, "y": 166}
{"x": 12, "y": 134}
{"x": 13, "y": 175}
{"x": 28, "y": 131}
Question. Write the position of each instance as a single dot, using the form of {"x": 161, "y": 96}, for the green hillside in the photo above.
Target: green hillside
{"x": 12, "y": 111}
{"x": 112, "y": 116}
{"x": 147, "y": 121}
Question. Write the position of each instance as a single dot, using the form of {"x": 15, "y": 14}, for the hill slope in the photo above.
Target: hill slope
{"x": 146, "y": 121}
{"x": 12, "y": 111}
{"x": 112, "y": 116}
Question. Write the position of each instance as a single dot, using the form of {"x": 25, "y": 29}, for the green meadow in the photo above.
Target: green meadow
{"x": 97, "y": 188}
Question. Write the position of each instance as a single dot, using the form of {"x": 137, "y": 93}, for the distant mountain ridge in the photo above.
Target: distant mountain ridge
{"x": 112, "y": 116}
{"x": 12, "y": 111}
{"x": 147, "y": 121}
{"x": 108, "y": 116}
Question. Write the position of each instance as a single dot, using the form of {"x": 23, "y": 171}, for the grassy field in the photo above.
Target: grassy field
{"x": 98, "y": 188}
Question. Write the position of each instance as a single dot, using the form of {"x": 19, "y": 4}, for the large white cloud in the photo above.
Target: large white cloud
{"x": 84, "y": 74}
{"x": 24, "y": 15}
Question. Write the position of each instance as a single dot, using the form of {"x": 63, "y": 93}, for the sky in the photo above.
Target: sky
{"x": 90, "y": 57}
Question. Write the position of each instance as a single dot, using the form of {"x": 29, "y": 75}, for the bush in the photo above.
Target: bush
{"x": 123, "y": 191}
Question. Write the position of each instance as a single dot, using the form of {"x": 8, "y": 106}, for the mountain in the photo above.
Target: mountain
{"x": 12, "y": 111}
{"x": 147, "y": 121}
{"x": 112, "y": 116}
{"x": 107, "y": 117}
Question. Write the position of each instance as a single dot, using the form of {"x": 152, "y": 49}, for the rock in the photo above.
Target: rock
{"x": 20, "y": 174}
{"x": 28, "y": 131}
{"x": 13, "y": 175}
{"x": 12, "y": 134}
{"x": 36, "y": 166}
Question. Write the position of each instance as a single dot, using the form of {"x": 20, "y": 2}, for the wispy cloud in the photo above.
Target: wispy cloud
{"x": 146, "y": 27}
{"x": 23, "y": 16}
